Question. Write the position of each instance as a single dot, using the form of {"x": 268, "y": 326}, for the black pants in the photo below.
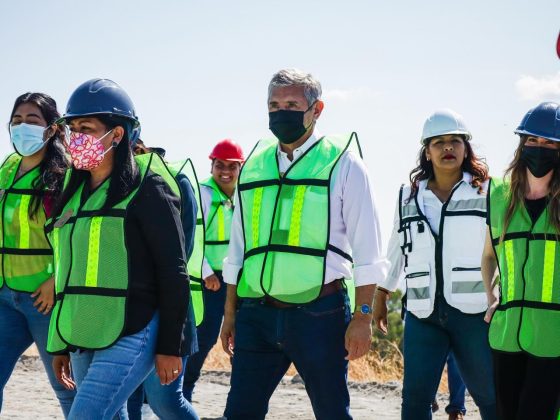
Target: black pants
{"x": 527, "y": 387}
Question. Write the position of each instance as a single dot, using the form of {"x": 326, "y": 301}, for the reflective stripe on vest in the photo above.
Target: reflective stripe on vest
{"x": 286, "y": 220}
{"x": 25, "y": 254}
{"x": 218, "y": 226}
{"x": 528, "y": 317}
{"x": 194, "y": 264}
{"x": 92, "y": 265}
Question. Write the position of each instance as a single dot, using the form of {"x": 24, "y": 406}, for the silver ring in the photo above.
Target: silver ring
{"x": 176, "y": 371}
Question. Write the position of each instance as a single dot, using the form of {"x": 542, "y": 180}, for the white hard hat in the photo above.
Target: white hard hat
{"x": 442, "y": 122}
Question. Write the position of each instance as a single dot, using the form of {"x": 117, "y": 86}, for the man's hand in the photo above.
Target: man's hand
{"x": 61, "y": 367}
{"x": 380, "y": 311}
{"x": 227, "y": 334}
{"x": 212, "y": 283}
{"x": 44, "y": 296}
{"x": 168, "y": 368}
{"x": 358, "y": 336}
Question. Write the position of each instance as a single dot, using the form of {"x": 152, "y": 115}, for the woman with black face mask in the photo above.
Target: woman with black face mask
{"x": 522, "y": 241}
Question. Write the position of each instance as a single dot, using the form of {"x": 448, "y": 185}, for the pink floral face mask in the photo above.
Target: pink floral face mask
{"x": 87, "y": 151}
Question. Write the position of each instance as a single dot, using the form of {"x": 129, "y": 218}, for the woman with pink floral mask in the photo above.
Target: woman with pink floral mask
{"x": 29, "y": 179}
{"x": 121, "y": 285}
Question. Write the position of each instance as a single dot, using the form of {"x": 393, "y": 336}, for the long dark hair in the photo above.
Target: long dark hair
{"x": 472, "y": 164}
{"x": 517, "y": 173}
{"x": 55, "y": 162}
{"x": 124, "y": 177}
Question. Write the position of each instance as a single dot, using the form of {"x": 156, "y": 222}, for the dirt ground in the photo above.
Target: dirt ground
{"x": 29, "y": 396}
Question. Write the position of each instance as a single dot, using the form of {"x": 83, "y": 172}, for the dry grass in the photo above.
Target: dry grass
{"x": 367, "y": 369}
{"x": 371, "y": 368}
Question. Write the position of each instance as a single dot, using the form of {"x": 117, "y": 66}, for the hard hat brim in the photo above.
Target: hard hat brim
{"x": 227, "y": 160}
{"x": 466, "y": 134}
{"x": 64, "y": 119}
{"x": 534, "y": 133}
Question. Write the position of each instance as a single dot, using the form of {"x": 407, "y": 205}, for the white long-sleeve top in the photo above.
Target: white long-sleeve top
{"x": 431, "y": 207}
{"x": 205, "y": 202}
{"x": 353, "y": 224}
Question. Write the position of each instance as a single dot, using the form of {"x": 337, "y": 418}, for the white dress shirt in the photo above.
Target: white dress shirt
{"x": 354, "y": 227}
{"x": 432, "y": 209}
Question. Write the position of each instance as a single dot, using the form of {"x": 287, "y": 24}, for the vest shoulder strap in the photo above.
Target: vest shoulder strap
{"x": 153, "y": 162}
{"x": 8, "y": 170}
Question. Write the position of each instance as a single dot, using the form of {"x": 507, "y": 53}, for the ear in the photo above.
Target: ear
{"x": 427, "y": 154}
{"x": 118, "y": 134}
{"x": 50, "y": 131}
{"x": 319, "y": 105}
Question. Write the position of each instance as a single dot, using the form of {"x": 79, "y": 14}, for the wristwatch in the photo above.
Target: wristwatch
{"x": 365, "y": 309}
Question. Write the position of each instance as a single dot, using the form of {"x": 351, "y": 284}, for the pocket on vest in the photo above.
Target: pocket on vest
{"x": 466, "y": 282}
{"x": 418, "y": 287}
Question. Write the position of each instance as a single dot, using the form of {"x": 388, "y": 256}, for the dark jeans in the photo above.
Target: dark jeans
{"x": 527, "y": 387}
{"x": 268, "y": 339}
{"x": 457, "y": 387}
{"x": 207, "y": 333}
{"x": 427, "y": 342}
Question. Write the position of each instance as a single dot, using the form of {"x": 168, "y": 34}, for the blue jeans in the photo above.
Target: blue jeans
{"x": 427, "y": 342}
{"x": 166, "y": 401}
{"x": 457, "y": 387}
{"x": 207, "y": 334}
{"x": 106, "y": 378}
{"x": 268, "y": 339}
{"x": 21, "y": 325}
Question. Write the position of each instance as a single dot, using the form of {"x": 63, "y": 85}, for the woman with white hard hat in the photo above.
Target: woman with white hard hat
{"x": 437, "y": 242}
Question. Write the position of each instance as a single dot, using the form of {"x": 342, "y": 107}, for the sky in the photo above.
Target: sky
{"x": 198, "y": 71}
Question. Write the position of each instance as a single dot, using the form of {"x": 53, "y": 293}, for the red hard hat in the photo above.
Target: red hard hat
{"x": 229, "y": 150}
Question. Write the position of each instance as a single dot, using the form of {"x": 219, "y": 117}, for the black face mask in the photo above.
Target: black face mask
{"x": 540, "y": 160}
{"x": 288, "y": 125}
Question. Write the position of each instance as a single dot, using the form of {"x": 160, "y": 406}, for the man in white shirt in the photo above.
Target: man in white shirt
{"x": 304, "y": 222}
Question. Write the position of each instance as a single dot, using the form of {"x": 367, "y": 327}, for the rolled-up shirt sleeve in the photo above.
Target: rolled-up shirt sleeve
{"x": 233, "y": 263}
{"x": 362, "y": 225}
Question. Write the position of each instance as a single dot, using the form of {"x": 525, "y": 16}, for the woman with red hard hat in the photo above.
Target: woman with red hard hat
{"x": 216, "y": 195}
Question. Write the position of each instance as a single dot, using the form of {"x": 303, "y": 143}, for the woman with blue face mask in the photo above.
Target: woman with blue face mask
{"x": 30, "y": 178}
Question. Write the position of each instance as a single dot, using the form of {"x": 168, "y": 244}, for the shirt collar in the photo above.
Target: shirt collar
{"x": 467, "y": 179}
{"x": 314, "y": 138}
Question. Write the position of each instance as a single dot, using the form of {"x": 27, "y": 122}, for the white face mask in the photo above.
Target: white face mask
{"x": 27, "y": 138}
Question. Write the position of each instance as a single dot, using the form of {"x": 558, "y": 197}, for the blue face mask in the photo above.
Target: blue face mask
{"x": 27, "y": 138}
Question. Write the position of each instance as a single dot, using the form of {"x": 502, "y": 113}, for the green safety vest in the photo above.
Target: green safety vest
{"x": 194, "y": 264}
{"x": 91, "y": 260}
{"x": 528, "y": 317}
{"x": 286, "y": 220}
{"x": 218, "y": 226}
{"x": 25, "y": 254}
